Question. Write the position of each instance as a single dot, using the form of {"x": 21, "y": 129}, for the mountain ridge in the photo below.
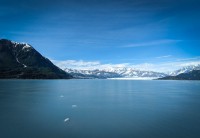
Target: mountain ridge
{"x": 185, "y": 69}
{"x": 114, "y": 73}
{"x": 127, "y": 72}
{"x": 192, "y": 75}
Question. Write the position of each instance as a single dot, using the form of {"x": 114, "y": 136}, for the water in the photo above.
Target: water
{"x": 99, "y": 109}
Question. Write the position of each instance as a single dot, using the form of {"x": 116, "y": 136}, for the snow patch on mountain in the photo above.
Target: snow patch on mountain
{"x": 20, "y": 62}
{"x": 25, "y": 47}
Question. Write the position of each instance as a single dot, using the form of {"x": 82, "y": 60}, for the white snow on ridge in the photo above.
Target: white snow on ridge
{"x": 16, "y": 43}
{"x": 26, "y": 46}
{"x": 185, "y": 70}
{"x": 131, "y": 73}
{"x": 117, "y": 72}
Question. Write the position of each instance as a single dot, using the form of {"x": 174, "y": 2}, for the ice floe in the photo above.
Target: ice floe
{"x": 66, "y": 120}
{"x": 74, "y": 106}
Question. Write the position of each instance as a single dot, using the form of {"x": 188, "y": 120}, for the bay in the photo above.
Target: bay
{"x": 99, "y": 109}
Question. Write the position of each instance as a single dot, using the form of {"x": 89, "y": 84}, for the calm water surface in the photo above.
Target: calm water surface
{"x": 99, "y": 109}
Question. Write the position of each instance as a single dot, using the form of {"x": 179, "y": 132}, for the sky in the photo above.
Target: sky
{"x": 160, "y": 35}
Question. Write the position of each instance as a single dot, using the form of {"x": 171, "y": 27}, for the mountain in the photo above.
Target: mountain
{"x": 22, "y": 61}
{"x": 185, "y": 69}
{"x": 92, "y": 74}
{"x": 127, "y": 72}
{"x": 193, "y": 75}
{"x": 114, "y": 73}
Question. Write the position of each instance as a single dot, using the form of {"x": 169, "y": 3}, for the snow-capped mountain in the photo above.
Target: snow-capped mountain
{"x": 192, "y": 75}
{"x": 100, "y": 74}
{"x": 186, "y": 69}
{"x": 114, "y": 73}
{"x": 130, "y": 72}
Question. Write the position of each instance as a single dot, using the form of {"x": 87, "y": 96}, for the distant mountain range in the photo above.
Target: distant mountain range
{"x": 22, "y": 61}
{"x": 134, "y": 73}
{"x": 114, "y": 73}
{"x": 92, "y": 74}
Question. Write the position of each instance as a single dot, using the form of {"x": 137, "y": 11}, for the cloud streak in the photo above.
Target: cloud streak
{"x": 77, "y": 64}
{"x": 167, "y": 56}
{"x": 186, "y": 59}
{"x": 153, "y": 43}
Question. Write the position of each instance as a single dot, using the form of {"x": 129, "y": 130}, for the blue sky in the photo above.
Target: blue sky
{"x": 108, "y": 32}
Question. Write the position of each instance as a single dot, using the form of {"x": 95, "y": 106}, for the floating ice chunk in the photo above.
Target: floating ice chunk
{"x": 74, "y": 106}
{"x": 66, "y": 120}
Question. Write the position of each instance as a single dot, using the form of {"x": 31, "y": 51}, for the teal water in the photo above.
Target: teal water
{"x": 99, "y": 109}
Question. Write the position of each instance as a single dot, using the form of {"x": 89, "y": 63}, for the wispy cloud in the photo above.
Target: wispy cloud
{"x": 153, "y": 43}
{"x": 164, "y": 56}
{"x": 186, "y": 59}
{"x": 77, "y": 64}
{"x": 80, "y": 64}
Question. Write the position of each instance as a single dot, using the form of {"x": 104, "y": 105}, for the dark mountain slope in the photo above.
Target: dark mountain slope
{"x": 193, "y": 75}
{"x": 20, "y": 60}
